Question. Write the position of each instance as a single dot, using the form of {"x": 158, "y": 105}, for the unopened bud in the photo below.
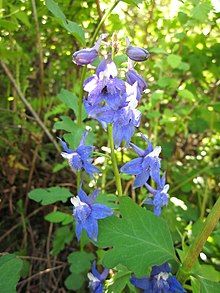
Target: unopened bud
{"x": 136, "y": 53}
{"x": 85, "y": 56}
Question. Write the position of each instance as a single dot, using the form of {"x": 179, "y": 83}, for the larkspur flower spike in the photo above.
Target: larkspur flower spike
{"x": 160, "y": 280}
{"x": 96, "y": 279}
{"x": 87, "y": 213}
{"x": 135, "y": 53}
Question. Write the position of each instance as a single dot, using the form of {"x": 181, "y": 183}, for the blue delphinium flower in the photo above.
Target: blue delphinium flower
{"x": 146, "y": 166}
{"x": 160, "y": 196}
{"x": 87, "y": 213}
{"x": 160, "y": 281}
{"x": 96, "y": 279}
{"x": 104, "y": 88}
{"x": 80, "y": 158}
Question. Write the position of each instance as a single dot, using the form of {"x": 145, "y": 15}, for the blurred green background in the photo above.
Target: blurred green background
{"x": 180, "y": 109}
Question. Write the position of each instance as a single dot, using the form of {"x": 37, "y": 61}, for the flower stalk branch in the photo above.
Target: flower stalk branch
{"x": 200, "y": 240}
{"x": 114, "y": 160}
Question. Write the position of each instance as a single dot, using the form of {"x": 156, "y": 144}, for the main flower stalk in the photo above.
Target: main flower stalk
{"x": 114, "y": 160}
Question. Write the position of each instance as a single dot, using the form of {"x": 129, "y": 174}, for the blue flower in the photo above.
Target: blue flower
{"x": 104, "y": 88}
{"x": 96, "y": 279}
{"x": 87, "y": 213}
{"x": 136, "y": 53}
{"x": 144, "y": 167}
{"x": 160, "y": 281}
{"x": 81, "y": 157}
{"x": 160, "y": 196}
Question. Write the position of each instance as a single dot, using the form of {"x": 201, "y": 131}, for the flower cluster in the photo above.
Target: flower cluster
{"x": 160, "y": 281}
{"x": 145, "y": 167}
{"x": 112, "y": 100}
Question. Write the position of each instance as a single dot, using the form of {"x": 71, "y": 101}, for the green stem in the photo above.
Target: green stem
{"x": 78, "y": 179}
{"x": 114, "y": 161}
{"x": 105, "y": 16}
{"x": 195, "y": 249}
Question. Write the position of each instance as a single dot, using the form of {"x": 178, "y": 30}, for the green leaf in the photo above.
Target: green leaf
{"x": 49, "y": 195}
{"x": 207, "y": 286}
{"x": 69, "y": 25}
{"x": 10, "y": 267}
{"x": 8, "y": 25}
{"x": 75, "y": 30}
{"x": 66, "y": 124}
{"x": 59, "y": 217}
{"x": 201, "y": 10}
{"x": 135, "y": 241}
{"x": 186, "y": 94}
{"x": 108, "y": 199}
{"x": 22, "y": 16}
{"x": 62, "y": 237}
{"x": 55, "y": 9}
{"x": 74, "y": 281}
{"x": 120, "y": 280}
{"x": 71, "y": 100}
{"x": 80, "y": 261}
{"x": 174, "y": 60}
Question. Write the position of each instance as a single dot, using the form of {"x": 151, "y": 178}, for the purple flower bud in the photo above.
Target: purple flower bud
{"x": 85, "y": 56}
{"x": 137, "y": 54}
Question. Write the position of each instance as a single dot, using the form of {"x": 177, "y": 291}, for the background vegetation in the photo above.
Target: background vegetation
{"x": 180, "y": 112}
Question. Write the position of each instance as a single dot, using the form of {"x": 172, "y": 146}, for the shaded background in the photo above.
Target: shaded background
{"x": 180, "y": 112}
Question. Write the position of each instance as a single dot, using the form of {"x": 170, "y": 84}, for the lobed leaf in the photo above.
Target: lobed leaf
{"x": 135, "y": 242}
{"x": 49, "y": 195}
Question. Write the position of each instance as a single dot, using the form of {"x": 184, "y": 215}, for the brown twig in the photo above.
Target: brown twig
{"x": 48, "y": 270}
{"x": 28, "y": 105}
{"x": 18, "y": 224}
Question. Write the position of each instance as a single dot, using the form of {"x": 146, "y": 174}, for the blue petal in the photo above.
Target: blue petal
{"x": 84, "y": 151}
{"x": 64, "y": 146}
{"x": 76, "y": 162}
{"x": 141, "y": 179}
{"x": 83, "y": 139}
{"x": 78, "y": 230}
{"x": 142, "y": 283}
{"x": 100, "y": 211}
{"x": 83, "y": 196}
{"x": 104, "y": 274}
{"x": 133, "y": 167}
{"x": 94, "y": 195}
{"x": 90, "y": 169}
{"x": 91, "y": 227}
{"x": 117, "y": 134}
{"x": 95, "y": 272}
{"x": 137, "y": 150}
{"x": 175, "y": 286}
